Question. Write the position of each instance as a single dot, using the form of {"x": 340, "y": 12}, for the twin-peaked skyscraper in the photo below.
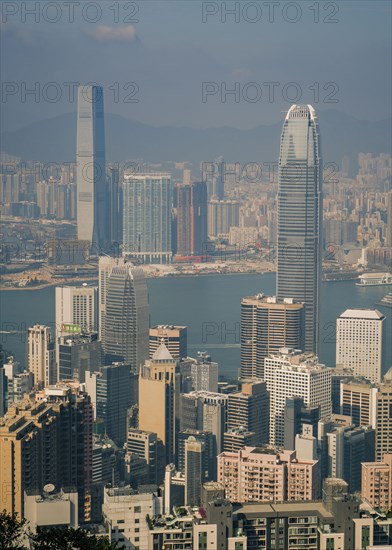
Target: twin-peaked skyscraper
{"x": 300, "y": 216}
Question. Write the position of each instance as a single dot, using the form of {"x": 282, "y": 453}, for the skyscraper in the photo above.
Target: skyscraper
{"x": 191, "y": 218}
{"x": 175, "y": 338}
{"x": 268, "y": 324}
{"x": 359, "y": 342}
{"x": 76, "y": 305}
{"x": 158, "y": 393}
{"x": 204, "y": 373}
{"x": 91, "y": 173}
{"x": 105, "y": 266}
{"x": 290, "y": 373}
{"x": 126, "y": 316}
{"x": 300, "y": 216}
{"x": 147, "y": 223}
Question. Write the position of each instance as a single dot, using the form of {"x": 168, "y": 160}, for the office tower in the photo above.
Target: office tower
{"x": 238, "y": 438}
{"x": 76, "y": 305}
{"x": 204, "y": 373}
{"x": 41, "y": 355}
{"x": 205, "y": 411}
{"x": 377, "y": 483}
{"x": 126, "y": 316}
{"x": 209, "y": 454}
{"x": 78, "y": 353}
{"x": 348, "y": 447}
{"x": 158, "y": 392}
{"x": 359, "y": 342}
{"x": 256, "y": 475}
{"x": 47, "y": 441}
{"x": 249, "y": 409}
{"x": 105, "y": 266}
{"x": 358, "y": 400}
{"x": 193, "y": 471}
{"x": 292, "y": 373}
{"x": 222, "y": 214}
{"x": 114, "y": 207}
{"x": 147, "y": 446}
{"x": 300, "y": 216}
{"x": 147, "y": 206}
{"x": 112, "y": 392}
{"x": 268, "y": 324}
{"x": 296, "y": 414}
{"x": 175, "y": 338}
{"x": 339, "y": 376}
{"x": 191, "y": 218}
{"x": 91, "y": 170}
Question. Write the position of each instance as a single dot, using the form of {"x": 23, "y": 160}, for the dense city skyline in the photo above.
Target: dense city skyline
{"x": 195, "y": 346}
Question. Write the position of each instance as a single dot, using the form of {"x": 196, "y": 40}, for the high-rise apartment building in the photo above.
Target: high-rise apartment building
{"x": 204, "y": 373}
{"x": 388, "y": 237}
{"x": 114, "y": 208}
{"x": 191, "y": 206}
{"x": 255, "y": 474}
{"x": 91, "y": 170}
{"x": 158, "y": 395}
{"x": 126, "y": 316}
{"x": 292, "y": 373}
{"x": 76, "y": 305}
{"x": 214, "y": 176}
{"x": 300, "y": 216}
{"x": 268, "y": 324}
{"x": 360, "y": 334}
{"x": 377, "y": 483}
{"x": 249, "y": 409}
{"x": 175, "y": 338}
{"x": 147, "y": 208}
{"x": 41, "y": 355}
{"x": 47, "y": 441}
{"x": 222, "y": 214}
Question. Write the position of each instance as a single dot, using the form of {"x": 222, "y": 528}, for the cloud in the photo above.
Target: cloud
{"x": 103, "y": 33}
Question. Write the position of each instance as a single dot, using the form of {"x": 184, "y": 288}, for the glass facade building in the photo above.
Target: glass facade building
{"x": 126, "y": 317}
{"x": 90, "y": 158}
{"x": 147, "y": 224}
{"x": 300, "y": 216}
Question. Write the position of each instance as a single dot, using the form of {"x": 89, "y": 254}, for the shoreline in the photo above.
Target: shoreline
{"x": 148, "y": 276}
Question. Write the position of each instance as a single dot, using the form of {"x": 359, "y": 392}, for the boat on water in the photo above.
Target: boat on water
{"x": 375, "y": 279}
{"x": 386, "y": 301}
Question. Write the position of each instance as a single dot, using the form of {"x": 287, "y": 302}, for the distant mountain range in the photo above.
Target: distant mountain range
{"x": 54, "y": 140}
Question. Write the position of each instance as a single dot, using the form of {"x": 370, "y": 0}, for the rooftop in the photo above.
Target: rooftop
{"x": 362, "y": 314}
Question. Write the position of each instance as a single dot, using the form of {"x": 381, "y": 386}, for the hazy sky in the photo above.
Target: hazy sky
{"x": 169, "y": 52}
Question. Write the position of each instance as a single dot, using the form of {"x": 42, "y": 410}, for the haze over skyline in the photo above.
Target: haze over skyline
{"x": 169, "y": 52}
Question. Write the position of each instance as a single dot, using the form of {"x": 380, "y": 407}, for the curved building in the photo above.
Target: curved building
{"x": 300, "y": 216}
